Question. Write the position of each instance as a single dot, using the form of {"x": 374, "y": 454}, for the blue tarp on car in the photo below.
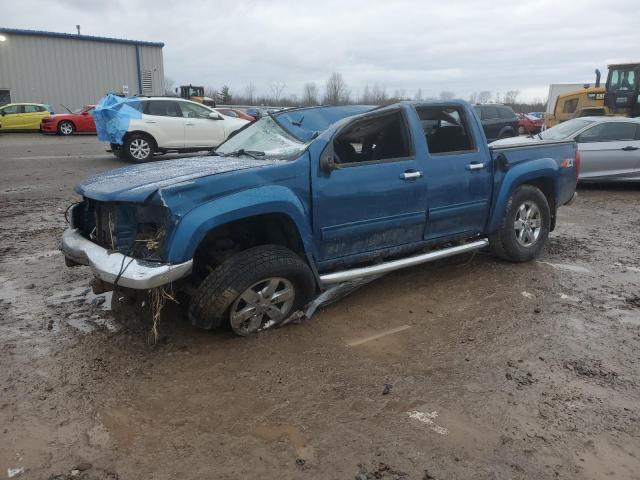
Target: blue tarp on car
{"x": 112, "y": 116}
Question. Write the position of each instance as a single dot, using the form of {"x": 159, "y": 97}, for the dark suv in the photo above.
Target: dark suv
{"x": 498, "y": 121}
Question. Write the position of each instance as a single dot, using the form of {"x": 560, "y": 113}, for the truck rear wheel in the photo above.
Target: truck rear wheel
{"x": 252, "y": 290}
{"x": 525, "y": 226}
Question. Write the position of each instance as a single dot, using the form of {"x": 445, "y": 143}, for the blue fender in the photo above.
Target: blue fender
{"x": 519, "y": 174}
{"x": 195, "y": 225}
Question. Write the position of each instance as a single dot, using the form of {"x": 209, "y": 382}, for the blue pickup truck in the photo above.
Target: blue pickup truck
{"x": 307, "y": 198}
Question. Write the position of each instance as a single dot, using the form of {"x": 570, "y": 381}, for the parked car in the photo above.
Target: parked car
{"x": 529, "y": 124}
{"x": 609, "y": 146}
{"x": 139, "y": 127}
{"x": 539, "y": 115}
{"x": 78, "y": 121}
{"x": 235, "y": 113}
{"x": 259, "y": 112}
{"x": 498, "y": 121}
{"x": 309, "y": 198}
{"x": 22, "y": 116}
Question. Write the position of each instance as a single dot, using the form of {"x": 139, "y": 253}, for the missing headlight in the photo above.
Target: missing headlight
{"x": 149, "y": 242}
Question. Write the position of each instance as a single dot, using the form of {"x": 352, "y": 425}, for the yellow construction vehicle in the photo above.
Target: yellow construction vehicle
{"x": 580, "y": 103}
{"x": 620, "y": 96}
{"x": 195, "y": 94}
{"x": 623, "y": 89}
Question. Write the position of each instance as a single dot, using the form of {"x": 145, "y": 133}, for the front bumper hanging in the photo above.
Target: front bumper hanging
{"x": 108, "y": 265}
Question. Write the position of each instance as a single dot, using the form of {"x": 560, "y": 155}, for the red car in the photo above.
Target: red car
{"x": 529, "y": 124}
{"x": 234, "y": 112}
{"x": 78, "y": 121}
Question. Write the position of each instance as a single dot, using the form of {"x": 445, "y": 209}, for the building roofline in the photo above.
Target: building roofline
{"x": 72, "y": 36}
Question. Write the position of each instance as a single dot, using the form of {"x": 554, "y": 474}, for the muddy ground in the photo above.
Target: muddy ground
{"x": 494, "y": 370}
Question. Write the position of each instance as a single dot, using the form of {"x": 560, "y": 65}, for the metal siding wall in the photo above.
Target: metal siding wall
{"x": 151, "y": 59}
{"x": 72, "y": 72}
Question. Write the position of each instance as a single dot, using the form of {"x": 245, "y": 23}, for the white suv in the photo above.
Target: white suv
{"x": 174, "y": 125}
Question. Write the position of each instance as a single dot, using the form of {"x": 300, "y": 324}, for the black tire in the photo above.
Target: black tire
{"x": 66, "y": 128}
{"x": 506, "y": 134}
{"x": 117, "y": 150}
{"x": 139, "y": 148}
{"x": 211, "y": 304}
{"x": 505, "y": 242}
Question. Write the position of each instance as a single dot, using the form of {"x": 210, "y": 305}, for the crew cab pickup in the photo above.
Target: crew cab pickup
{"x": 307, "y": 198}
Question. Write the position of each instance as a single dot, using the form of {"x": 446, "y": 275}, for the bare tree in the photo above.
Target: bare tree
{"x": 446, "y": 95}
{"x": 249, "y": 92}
{"x": 473, "y": 98}
{"x": 379, "y": 95}
{"x": 418, "y": 95}
{"x": 484, "y": 96}
{"x": 168, "y": 86}
{"x": 276, "y": 91}
{"x": 210, "y": 92}
{"x": 310, "y": 94}
{"x": 511, "y": 97}
{"x": 365, "y": 98}
{"x": 336, "y": 92}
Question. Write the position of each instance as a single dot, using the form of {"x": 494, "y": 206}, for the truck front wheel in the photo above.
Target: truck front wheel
{"x": 253, "y": 290}
{"x": 525, "y": 226}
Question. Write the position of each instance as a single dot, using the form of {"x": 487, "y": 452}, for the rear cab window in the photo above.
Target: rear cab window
{"x": 446, "y": 129}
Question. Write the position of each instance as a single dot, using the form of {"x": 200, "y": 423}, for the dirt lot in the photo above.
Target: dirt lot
{"x": 495, "y": 370}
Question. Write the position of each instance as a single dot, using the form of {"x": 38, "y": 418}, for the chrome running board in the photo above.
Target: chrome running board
{"x": 346, "y": 275}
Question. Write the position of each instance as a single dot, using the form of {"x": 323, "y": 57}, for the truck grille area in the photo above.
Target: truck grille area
{"x": 134, "y": 230}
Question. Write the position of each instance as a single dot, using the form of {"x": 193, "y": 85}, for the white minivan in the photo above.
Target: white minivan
{"x": 174, "y": 125}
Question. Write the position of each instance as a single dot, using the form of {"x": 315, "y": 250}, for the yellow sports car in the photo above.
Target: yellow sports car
{"x": 23, "y": 116}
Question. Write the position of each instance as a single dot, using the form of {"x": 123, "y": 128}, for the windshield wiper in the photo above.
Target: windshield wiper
{"x": 539, "y": 136}
{"x": 241, "y": 151}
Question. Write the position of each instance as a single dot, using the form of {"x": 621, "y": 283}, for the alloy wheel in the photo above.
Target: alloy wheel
{"x": 263, "y": 304}
{"x": 66, "y": 128}
{"x": 140, "y": 149}
{"x": 527, "y": 224}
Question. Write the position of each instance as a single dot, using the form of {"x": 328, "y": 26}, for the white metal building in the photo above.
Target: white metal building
{"x": 74, "y": 70}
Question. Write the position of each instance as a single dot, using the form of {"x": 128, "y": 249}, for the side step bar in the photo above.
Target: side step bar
{"x": 338, "y": 277}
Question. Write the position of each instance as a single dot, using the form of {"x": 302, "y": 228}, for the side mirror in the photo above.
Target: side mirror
{"x": 215, "y": 116}
{"x": 85, "y": 113}
{"x": 328, "y": 162}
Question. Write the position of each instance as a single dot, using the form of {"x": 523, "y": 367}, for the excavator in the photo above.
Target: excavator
{"x": 619, "y": 96}
{"x": 195, "y": 94}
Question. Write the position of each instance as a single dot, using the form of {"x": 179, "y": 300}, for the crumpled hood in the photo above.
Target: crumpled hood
{"x": 137, "y": 182}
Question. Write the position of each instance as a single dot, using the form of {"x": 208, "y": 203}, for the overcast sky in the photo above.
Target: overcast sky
{"x": 455, "y": 45}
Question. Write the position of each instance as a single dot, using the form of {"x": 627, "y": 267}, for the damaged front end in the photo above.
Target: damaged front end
{"x": 123, "y": 243}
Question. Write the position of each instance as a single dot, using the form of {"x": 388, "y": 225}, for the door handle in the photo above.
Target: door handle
{"x": 188, "y": 123}
{"x": 475, "y": 166}
{"x": 410, "y": 175}
{"x": 630, "y": 149}
{"x": 150, "y": 121}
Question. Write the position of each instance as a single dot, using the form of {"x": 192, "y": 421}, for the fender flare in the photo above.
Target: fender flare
{"x": 520, "y": 174}
{"x": 194, "y": 226}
